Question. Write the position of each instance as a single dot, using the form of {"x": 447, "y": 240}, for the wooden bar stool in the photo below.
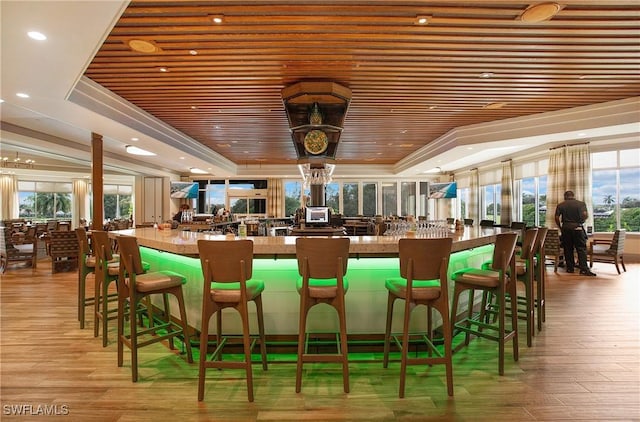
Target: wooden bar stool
{"x": 135, "y": 284}
{"x": 540, "y": 275}
{"x": 422, "y": 281}
{"x": 107, "y": 268}
{"x": 227, "y": 268}
{"x": 322, "y": 264}
{"x": 86, "y": 266}
{"x": 497, "y": 282}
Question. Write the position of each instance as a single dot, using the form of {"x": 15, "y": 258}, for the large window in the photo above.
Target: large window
{"x": 369, "y": 198}
{"x": 42, "y": 200}
{"x": 408, "y": 198}
{"x": 350, "y": 199}
{"x": 292, "y": 197}
{"x": 491, "y": 202}
{"x": 332, "y": 197}
{"x": 389, "y": 198}
{"x": 463, "y": 201}
{"x": 616, "y": 190}
{"x": 118, "y": 201}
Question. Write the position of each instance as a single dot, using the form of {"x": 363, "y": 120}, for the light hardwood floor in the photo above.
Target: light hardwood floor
{"x": 583, "y": 366}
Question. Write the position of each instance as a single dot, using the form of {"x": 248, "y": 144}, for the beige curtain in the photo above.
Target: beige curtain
{"x": 79, "y": 201}
{"x": 569, "y": 169}
{"x": 275, "y": 198}
{"x": 506, "y": 193}
{"x": 474, "y": 211}
{"x": 8, "y": 197}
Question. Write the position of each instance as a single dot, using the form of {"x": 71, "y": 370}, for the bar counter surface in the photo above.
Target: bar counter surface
{"x": 372, "y": 260}
{"x": 186, "y": 242}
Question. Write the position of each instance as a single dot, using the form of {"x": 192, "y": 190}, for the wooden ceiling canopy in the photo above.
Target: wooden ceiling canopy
{"x": 415, "y": 69}
{"x": 316, "y": 109}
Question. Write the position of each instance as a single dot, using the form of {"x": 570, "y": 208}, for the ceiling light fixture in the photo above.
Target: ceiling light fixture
{"x": 486, "y": 75}
{"x": 196, "y": 170}
{"x": 35, "y": 35}
{"x": 216, "y": 18}
{"x": 22, "y": 95}
{"x": 17, "y": 162}
{"x": 434, "y": 170}
{"x": 422, "y": 20}
{"x": 137, "y": 151}
{"x": 494, "y": 106}
{"x": 540, "y": 12}
{"x": 143, "y": 46}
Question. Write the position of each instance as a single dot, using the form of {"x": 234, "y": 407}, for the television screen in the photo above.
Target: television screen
{"x": 442, "y": 190}
{"x": 317, "y": 216}
{"x": 184, "y": 190}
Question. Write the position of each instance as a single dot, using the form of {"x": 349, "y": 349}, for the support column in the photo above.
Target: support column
{"x": 97, "y": 181}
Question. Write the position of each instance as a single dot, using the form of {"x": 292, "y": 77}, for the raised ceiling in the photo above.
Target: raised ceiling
{"x": 471, "y": 62}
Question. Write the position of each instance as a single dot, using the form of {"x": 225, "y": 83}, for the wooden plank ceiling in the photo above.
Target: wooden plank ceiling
{"x": 221, "y": 83}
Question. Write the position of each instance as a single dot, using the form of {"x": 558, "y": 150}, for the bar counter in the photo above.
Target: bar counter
{"x": 372, "y": 260}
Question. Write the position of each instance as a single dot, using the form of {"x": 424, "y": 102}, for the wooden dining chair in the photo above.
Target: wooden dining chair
{"x": 227, "y": 268}
{"x": 423, "y": 281}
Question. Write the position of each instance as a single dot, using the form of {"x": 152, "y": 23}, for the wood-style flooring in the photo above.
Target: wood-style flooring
{"x": 583, "y": 366}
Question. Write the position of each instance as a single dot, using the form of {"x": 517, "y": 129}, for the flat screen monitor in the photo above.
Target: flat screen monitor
{"x": 443, "y": 190}
{"x": 184, "y": 190}
{"x": 317, "y": 216}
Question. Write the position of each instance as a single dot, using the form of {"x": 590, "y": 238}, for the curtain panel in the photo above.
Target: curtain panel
{"x": 506, "y": 193}
{"x": 9, "y": 207}
{"x": 474, "y": 205}
{"x": 275, "y": 198}
{"x": 79, "y": 202}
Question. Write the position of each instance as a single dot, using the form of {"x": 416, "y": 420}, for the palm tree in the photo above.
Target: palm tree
{"x": 609, "y": 200}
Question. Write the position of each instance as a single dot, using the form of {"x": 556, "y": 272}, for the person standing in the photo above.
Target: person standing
{"x": 570, "y": 217}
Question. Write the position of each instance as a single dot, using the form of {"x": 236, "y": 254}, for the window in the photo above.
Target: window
{"x": 615, "y": 190}
{"x": 491, "y": 202}
{"x": 389, "y": 198}
{"x": 332, "y": 197}
{"x": 118, "y": 201}
{"x": 369, "y": 198}
{"x": 292, "y": 197}
{"x": 408, "y": 198}
{"x": 214, "y": 196}
{"x": 42, "y": 200}
{"x": 350, "y": 199}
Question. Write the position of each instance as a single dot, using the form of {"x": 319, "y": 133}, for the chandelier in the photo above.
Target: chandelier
{"x": 316, "y": 175}
{"x": 17, "y": 162}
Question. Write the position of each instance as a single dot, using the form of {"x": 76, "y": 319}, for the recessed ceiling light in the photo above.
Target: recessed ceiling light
{"x": 196, "y": 170}
{"x": 486, "y": 75}
{"x": 1, "y": 101}
{"x": 582, "y": 134}
{"x": 22, "y": 95}
{"x": 163, "y": 69}
{"x": 182, "y": 158}
{"x": 137, "y": 151}
{"x": 35, "y": 35}
{"x": 135, "y": 139}
{"x": 494, "y": 106}
{"x": 218, "y": 19}
{"x": 193, "y": 107}
{"x": 432, "y": 107}
{"x": 143, "y": 46}
{"x": 540, "y": 12}
{"x": 422, "y": 20}
{"x": 434, "y": 170}
{"x": 193, "y": 52}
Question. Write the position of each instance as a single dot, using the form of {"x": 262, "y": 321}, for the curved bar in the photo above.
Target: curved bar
{"x": 373, "y": 259}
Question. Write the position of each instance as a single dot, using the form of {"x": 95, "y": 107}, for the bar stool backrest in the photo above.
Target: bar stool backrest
{"x": 503, "y": 250}
{"x": 130, "y": 255}
{"x": 427, "y": 256}
{"x": 222, "y": 258}
{"x": 83, "y": 241}
{"x": 102, "y": 245}
{"x": 528, "y": 243}
{"x": 321, "y": 255}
